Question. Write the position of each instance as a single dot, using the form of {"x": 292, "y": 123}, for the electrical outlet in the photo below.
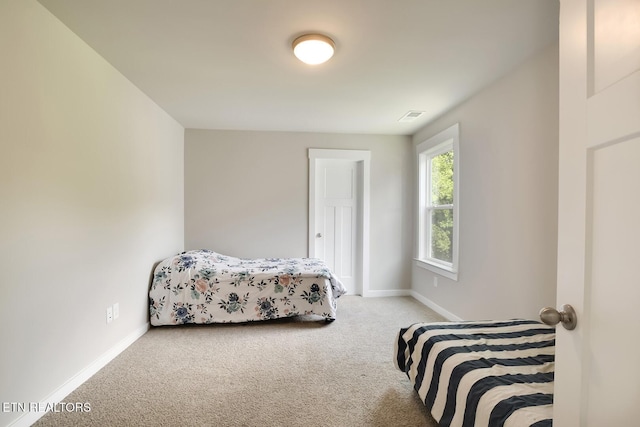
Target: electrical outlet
{"x": 435, "y": 281}
{"x": 116, "y": 310}
{"x": 109, "y": 314}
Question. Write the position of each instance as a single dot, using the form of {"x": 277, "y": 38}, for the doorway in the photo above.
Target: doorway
{"x": 339, "y": 214}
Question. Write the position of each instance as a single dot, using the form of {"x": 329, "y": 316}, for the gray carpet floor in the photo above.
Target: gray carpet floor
{"x": 286, "y": 372}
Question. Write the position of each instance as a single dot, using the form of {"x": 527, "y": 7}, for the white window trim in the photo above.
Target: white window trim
{"x": 444, "y": 141}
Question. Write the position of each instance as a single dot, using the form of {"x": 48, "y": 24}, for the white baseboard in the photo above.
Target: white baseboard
{"x": 388, "y": 293}
{"x": 435, "y": 307}
{"x": 410, "y": 292}
{"x": 76, "y": 381}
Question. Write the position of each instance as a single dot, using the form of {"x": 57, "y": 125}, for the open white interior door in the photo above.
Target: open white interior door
{"x": 597, "y": 379}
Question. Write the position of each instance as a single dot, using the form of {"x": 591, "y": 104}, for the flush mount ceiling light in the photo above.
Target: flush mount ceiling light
{"x": 313, "y": 49}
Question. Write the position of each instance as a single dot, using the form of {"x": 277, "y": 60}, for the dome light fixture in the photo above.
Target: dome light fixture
{"x": 313, "y": 49}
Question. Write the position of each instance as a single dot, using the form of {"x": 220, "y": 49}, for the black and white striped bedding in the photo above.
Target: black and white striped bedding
{"x": 491, "y": 373}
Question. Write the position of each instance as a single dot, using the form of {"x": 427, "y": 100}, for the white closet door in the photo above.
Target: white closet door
{"x": 336, "y": 217}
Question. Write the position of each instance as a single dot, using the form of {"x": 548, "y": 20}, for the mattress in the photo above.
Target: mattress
{"x": 203, "y": 286}
{"x": 490, "y": 373}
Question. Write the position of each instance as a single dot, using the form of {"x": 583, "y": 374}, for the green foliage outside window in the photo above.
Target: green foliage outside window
{"x": 442, "y": 194}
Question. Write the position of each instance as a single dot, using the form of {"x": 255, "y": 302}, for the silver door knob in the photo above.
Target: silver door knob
{"x": 552, "y": 317}
{"x": 319, "y": 235}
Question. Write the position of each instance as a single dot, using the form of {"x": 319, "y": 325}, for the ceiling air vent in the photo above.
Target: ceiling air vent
{"x": 410, "y": 116}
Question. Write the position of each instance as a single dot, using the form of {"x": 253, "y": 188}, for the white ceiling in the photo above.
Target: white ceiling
{"x": 228, "y": 64}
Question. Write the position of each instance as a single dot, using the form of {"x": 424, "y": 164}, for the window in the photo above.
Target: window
{"x": 438, "y": 162}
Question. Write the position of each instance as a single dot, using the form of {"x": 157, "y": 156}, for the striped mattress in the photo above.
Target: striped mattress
{"x": 490, "y": 373}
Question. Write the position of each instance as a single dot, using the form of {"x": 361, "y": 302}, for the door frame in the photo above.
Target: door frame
{"x": 362, "y": 157}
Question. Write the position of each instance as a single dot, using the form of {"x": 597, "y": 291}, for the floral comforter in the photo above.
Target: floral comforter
{"x": 207, "y": 287}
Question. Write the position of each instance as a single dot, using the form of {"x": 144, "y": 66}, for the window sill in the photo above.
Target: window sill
{"x": 435, "y": 268}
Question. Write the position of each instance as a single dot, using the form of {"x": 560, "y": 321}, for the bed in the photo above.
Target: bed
{"x": 492, "y": 373}
{"x": 203, "y": 286}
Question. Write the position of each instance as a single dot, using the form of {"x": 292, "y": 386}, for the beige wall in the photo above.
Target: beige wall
{"x": 508, "y": 197}
{"x": 246, "y": 194}
{"x": 91, "y": 187}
